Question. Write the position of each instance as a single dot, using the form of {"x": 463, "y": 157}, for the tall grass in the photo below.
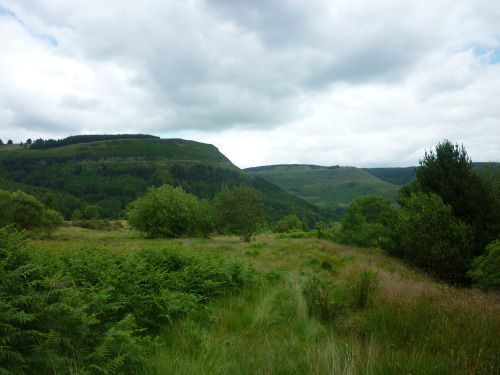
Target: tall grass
{"x": 356, "y": 318}
{"x": 315, "y": 308}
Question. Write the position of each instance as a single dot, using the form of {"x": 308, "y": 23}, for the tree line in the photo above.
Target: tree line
{"x": 75, "y": 139}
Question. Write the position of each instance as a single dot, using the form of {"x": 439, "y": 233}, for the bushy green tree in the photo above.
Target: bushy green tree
{"x": 431, "y": 237}
{"x": 77, "y": 215}
{"x": 51, "y": 220}
{"x": 485, "y": 271}
{"x": 241, "y": 210}
{"x": 164, "y": 212}
{"x": 20, "y": 209}
{"x": 26, "y": 212}
{"x": 90, "y": 212}
{"x": 449, "y": 173}
{"x": 368, "y": 221}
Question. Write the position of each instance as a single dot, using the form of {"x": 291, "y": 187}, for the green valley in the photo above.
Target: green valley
{"x": 331, "y": 188}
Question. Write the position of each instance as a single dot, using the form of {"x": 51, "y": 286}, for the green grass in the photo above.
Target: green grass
{"x": 365, "y": 313}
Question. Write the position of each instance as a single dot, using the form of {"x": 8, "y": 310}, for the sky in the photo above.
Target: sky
{"x": 366, "y": 83}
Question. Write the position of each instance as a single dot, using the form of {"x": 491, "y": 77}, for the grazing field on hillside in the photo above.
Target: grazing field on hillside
{"x": 312, "y": 307}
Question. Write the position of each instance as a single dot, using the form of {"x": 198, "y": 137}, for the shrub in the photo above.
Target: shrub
{"x": 51, "y": 221}
{"x": 20, "y": 209}
{"x": 318, "y": 294}
{"x": 327, "y": 300}
{"x": 164, "y": 212}
{"x": 485, "y": 271}
{"x": 26, "y": 212}
{"x": 297, "y": 235}
{"x": 367, "y": 222}
{"x": 254, "y": 248}
{"x": 90, "y": 212}
{"x": 432, "y": 238}
{"x": 363, "y": 292}
{"x": 290, "y": 223}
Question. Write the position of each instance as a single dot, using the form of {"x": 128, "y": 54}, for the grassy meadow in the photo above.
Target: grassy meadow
{"x": 315, "y": 307}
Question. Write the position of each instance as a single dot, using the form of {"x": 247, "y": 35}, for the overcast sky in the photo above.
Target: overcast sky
{"x": 350, "y": 82}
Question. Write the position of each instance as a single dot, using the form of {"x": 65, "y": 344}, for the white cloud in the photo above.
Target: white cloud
{"x": 347, "y": 82}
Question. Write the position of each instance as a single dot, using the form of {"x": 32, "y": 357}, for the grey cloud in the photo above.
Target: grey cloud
{"x": 279, "y": 24}
{"x": 77, "y": 102}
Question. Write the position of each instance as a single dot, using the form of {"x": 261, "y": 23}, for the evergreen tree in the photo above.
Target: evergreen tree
{"x": 449, "y": 173}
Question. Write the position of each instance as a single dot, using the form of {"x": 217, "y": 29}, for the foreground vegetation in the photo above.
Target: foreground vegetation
{"x": 114, "y": 302}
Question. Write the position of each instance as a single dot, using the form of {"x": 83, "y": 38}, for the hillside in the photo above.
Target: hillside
{"x": 332, "y": 188}
{"x": 112, "y": 173}
{"x": 398, "y": 176}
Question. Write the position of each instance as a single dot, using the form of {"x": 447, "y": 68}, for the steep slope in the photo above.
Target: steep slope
{"x": 112, "y": 173}
{"x": 332, "y": 188}
{"x": 398, "y": 176}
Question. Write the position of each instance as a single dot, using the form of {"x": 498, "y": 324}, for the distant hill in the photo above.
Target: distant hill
{"x": 333, "y": 188}
{"x": 398, "y": 176}
{"x": 111, "y": 173}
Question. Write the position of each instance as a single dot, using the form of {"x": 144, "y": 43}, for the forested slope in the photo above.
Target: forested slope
{"x": 112, "y": 173}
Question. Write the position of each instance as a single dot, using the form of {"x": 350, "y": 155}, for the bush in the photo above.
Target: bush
{"x": 367, "y": 222}
{"x": 20, "y": 209}
{"x": 297, "y": 235}
{"x": 90, "y": 212}
{"x": 51, "y": 221}
{"x": 290, "y": 223}
{"x": 164, "y": 212}
{"x": 485, "y": 271}
{"x": 26, "y": 212}
{"x": 432, "y": 238}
